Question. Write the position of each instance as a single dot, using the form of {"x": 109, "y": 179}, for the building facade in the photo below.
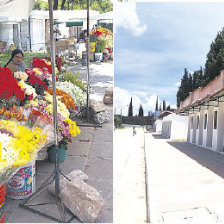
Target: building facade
{"x": 206, "y": 115}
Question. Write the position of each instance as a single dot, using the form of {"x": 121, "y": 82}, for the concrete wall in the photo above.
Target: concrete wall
{"x": 217, "y": 141}
{"x": 6, "y": 33}
{"x": 175, "y": 127}
{"x": 37, "y": 28}
{"x": 158, "y": 125}
{"x": 166, "y": 128}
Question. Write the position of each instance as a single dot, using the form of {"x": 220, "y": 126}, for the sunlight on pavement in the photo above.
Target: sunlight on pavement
{"x": 129, "y": 177}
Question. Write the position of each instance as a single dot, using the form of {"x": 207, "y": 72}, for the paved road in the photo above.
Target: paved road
{"x": 129, "y": 177}
{"x": 182, "y": 188}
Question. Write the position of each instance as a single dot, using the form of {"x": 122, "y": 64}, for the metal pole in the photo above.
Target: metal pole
{"x": 54, "y": 97}
{"x": 87, "y": 63}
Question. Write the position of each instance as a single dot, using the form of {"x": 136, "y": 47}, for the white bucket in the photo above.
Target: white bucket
{"x": 22, "y": 184}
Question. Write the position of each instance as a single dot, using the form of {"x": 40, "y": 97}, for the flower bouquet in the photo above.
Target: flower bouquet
{"x": 18, "y": 147}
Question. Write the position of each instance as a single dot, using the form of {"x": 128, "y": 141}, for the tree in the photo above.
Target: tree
{"x": 98, "y": 5}
{"x": 141, "y": 112}
{"x": 55, "y": 7}
{"x": 160, "y": 107}
{"x": 164, "y": 105}
{"x": 189, "y": 84}
{"x": 168, "y": 108}
{"x": 157, "y": 104}
{"x": 130, "y": 109}
{"x": 215, "y": 58}
{"x": 183, "y": 91}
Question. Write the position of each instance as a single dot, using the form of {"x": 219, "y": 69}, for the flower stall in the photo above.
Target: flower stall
{"x": 26, "y": 116}
{"x": 103, "y": 39}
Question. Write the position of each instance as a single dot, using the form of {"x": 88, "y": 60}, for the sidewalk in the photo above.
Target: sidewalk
{"x": 182, "y": 189}
{"x": 91, "y": 152}
{"x": 129, "y": 177}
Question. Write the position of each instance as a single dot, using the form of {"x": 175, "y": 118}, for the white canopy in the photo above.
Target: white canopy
{"x": 19, "y": 9}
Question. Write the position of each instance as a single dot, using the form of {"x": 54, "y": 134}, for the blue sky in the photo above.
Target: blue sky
{"x": 154, "y": 42}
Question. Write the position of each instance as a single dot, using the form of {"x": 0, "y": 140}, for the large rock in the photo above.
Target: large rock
{"x": 109, "y": 92}
{"x": 82, "y": 200}
{"x": 108, "y": 100}
{"x": 73, "y": 175}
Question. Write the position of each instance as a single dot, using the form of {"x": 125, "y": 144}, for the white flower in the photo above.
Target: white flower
{"x": 74, "y": 91}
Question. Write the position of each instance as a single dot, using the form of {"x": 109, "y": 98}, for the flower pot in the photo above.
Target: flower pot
{"x": 98, "y": 57}
{"x": 61, "y": 154}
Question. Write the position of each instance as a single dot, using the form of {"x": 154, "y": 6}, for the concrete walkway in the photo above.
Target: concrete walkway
{"x": 182, "y": 189}
{"x": 129, "y": 177}
{"x": 91, "y": 152}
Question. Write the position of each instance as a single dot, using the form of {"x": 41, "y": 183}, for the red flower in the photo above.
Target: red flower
{"x": 9, "y": 86}
{"x": 34, "y": 80}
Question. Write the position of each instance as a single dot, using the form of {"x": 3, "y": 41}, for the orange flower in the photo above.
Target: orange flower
{"x": 65, "y": 98}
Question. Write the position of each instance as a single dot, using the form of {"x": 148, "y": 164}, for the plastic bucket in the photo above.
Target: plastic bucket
{"x": 92, "y": 46}
{"x": 2, "y": 203}
{"x": 98, "y": 57}
{"x": 22, "y": 184}
{"x": 61, "y": 154}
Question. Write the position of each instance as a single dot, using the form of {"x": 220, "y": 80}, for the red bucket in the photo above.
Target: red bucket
{"x": 2, "y": 202}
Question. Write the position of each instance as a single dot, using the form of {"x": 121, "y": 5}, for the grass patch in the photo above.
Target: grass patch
{"x": 28, "y": 56}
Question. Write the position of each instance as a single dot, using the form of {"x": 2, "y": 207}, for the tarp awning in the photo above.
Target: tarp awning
{"x": 74, "y": 23}
{"x": 16, "y": 8}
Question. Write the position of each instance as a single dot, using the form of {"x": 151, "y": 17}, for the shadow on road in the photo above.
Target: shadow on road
{"x": 158, "y": 136}
{"x": 207, "y": 158}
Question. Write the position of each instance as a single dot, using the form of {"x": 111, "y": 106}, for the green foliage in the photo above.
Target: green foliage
{"x": 117, "y": 121}
{"x": 75, "y": 79}
{"x": 164, "y": 105}
{"x": 99, "y": 5}
{"x": 100, "y": 46}
{"x": 215, "y": 58}
{"x": 141, "y": 112}
{"x": 40, "y": 5}
{"x": 130, "y": 109}
{"x": 157, "y": 106}
{"x": 183, "y": 91}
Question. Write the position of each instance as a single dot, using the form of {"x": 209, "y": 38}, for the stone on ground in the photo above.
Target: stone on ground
{"x": 82, "y": 200}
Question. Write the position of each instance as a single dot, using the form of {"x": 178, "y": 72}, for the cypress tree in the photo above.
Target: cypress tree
{"x": 157, "y": 104}
{"x": 183, "y": 91}
{"x": 215, "y": 59}
{"x": 164, "y": 105}
{"x": 130, "y": 109}
{"x": 141, "y": 112}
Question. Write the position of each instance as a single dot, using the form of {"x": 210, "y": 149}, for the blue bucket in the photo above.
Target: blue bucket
{"x": 61, "y": 154}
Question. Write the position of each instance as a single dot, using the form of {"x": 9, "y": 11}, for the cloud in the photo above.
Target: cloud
{"x": 125, "y": 16}
{"x": 177, "y": 84}
{"x": 122, "y": 99}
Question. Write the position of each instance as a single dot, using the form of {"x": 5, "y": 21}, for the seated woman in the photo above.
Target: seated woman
{"x": 16, "y": 63}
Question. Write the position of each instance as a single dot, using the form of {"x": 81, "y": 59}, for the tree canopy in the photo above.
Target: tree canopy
{"x": 99, "y": 5}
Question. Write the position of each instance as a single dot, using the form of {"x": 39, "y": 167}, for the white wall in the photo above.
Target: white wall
{"x": 166, "y": 128}
{"x": 179, "y": 128}
{"x": 6, "y": 33}
{"x": 37, "y": 33}
{"x": 158, "y": 125}
{"x": 175, "y": 127}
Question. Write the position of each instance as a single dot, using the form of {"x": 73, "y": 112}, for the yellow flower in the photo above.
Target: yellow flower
{"x": 37, "y": 71}
{"x": 73, "y": 129}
